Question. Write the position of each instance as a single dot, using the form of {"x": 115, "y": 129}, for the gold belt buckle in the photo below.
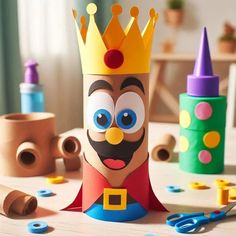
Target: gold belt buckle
{"x": 119, "y": 193}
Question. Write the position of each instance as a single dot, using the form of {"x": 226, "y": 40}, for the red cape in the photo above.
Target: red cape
{"x": 137, "y": 184}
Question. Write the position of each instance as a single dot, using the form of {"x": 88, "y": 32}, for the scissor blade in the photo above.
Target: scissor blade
{"x": 229, "y": 207}
{"x": 231, "y": 213}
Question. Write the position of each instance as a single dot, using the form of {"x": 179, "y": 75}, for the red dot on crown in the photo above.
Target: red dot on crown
{"x": 113, "y": 58}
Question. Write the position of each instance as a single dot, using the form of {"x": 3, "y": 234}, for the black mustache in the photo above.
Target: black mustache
{"x": 123, "y": 149}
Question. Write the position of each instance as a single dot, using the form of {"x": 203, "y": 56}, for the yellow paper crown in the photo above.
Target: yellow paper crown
{"x": 117, "y": 51}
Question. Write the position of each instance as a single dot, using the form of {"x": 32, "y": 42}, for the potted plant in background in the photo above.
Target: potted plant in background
{"x": 227, "y": 42}
{"x": 175, "y": 12}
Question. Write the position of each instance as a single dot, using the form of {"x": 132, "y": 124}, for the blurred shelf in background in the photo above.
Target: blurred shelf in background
{"x": 159, "y": 89}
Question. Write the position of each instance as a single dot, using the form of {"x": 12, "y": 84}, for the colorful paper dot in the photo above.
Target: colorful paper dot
{"x": 204, "y": 157}
{"x": 113, "y": 58}
{"x": 221, "y": 183}
{"x": 211, "y": 139}
{"x": 198, "y": 185}
{"x": 184, "y": 119}
{"x": 37, "y": 227}
{"x": 184, "y": 144}
{"x": 55, "y": 179}
{"x": 203, "y": 111}
{"x": 174, "y": 189}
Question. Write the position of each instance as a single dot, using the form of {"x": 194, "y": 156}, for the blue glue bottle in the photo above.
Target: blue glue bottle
{"x": 32, "y": 96}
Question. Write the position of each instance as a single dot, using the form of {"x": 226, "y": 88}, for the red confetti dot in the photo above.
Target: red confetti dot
{"x": 113, "y": 58}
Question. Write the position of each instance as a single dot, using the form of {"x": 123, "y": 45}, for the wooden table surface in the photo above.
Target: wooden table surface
{"x": 162, "y": 174}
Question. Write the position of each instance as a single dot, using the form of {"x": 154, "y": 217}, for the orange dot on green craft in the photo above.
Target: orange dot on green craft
{"x": 203, "y": 111}
{"x": 205, "y": 157}
{"x": 184, "y": 119}
{"x": 183, "y": 144}
{"x": 211, "y": 139}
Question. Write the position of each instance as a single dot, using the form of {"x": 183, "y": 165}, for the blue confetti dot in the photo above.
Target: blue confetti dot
{"x": 37, "y": 227}
{"x": 44, "y": 193}
{"x": 173, "y": 189}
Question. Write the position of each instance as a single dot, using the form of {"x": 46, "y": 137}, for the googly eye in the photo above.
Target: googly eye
{"x": 129, "y": 112}
{"x": 100, "y": 111}
{"x": 126, "y": 119}
{"x": 102, "y": 119}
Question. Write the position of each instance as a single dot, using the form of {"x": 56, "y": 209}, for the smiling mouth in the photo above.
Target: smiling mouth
{"x": 115, "y": 163}
{"x": 115, "y": 157}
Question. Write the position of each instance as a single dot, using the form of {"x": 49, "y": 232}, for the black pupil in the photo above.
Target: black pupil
{"x": 126, "y": 119}
{"x": 102, "y": 119}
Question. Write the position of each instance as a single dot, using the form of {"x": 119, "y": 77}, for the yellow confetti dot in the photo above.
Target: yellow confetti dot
{"x": 183, "y": 143}
{"x": 184, "y": 119}
{"x": 221, "y": 182}
{"x": 197, "y": 185}
{"x": 211, "y": 139}
{"x": 55, "y": 179}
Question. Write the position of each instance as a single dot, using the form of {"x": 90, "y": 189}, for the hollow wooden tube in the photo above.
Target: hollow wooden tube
{"x": 16, "y": 202}
{"x": 163, "y": 151}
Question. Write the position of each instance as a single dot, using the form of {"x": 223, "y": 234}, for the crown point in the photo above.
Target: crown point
{"x": 134, "y": 12}
{"x": 83, "y": 20}
{"x": 74, "y": 13}
{"x": 91, "y": 8}
{"x": 152, "y": 13}
{"x": 113, "y": 58}
{"x": 116, "y": 9}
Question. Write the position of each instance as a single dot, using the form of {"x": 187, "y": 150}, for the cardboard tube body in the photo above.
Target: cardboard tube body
{"x": 116, "y": 185}
{"x": 134, "y": 99}
{"x": 107, "y": 149}
{"x": 14, "y": 201}
{"x": 202, "y": 134}
{"x": 163, "y": 151}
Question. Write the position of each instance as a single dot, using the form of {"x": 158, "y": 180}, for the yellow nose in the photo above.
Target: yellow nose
{"x": 114, "y": 135}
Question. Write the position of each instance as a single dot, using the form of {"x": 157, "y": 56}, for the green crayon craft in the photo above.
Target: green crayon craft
{"x": 202, "y": 118}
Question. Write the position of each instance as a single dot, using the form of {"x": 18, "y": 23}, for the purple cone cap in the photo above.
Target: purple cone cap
{"x": 203, "y": 83}
{"x": 31, "y": 74}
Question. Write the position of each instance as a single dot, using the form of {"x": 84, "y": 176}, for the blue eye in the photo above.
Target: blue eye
{"x": 102, "y": 119}
{"x": 126, "y": 119}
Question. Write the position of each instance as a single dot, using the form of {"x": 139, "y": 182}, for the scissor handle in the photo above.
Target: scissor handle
{"x": 190, "y": 224}
{"x": 172, "y": 220}
{"x": 217, "y": 215}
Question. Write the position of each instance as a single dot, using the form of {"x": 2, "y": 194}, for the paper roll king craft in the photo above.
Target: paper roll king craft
{"x": 116, "y": 185}
{"x": 202, "y": 118}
